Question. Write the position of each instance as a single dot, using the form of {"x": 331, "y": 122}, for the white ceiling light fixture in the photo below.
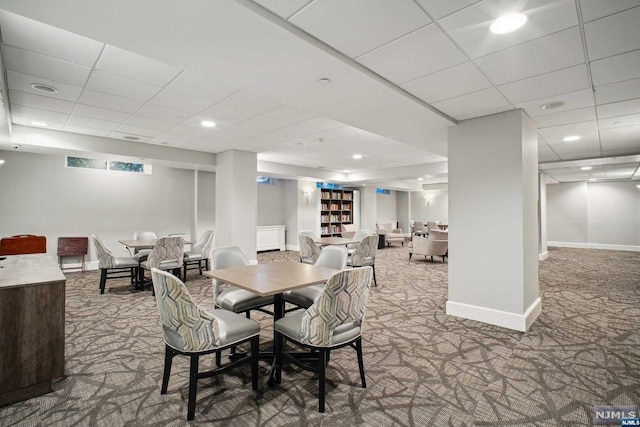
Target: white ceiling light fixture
{"x": 41, "y": 124}
{"x": 40, "y": 87}
{"x": 357, "y": 156}
{"x": 208, "y": 123}
{"x": 636, "y": 185}
{"x": 508, "y": 23}
{"x": 420, "y": 179}
{"x": 1, "y": 162}
{"x": 593, "y": 179}
{"x": 571, "y": 138}
{"x": 552, "y": 105}
{"x": 586, "y": 168}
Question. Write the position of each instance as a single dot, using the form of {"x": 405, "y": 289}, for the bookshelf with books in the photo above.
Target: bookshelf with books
{"x": 336, "y": 208}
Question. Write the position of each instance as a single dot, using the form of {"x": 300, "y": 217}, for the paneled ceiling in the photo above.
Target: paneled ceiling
{"x": 400, "y": 73}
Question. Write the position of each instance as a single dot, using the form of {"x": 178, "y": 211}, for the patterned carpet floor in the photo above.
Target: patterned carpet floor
{"x": 423, "y": 368}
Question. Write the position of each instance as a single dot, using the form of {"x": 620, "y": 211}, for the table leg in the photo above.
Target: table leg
{"x": 278, "y": 313}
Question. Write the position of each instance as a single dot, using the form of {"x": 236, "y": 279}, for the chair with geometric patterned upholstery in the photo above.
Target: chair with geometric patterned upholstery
{"x": 199, "y": 253}
{"x": 112, "y": 267}
{"x": 191, "y": 331}
{"x": 309, "y": 251}
{"x": 359, "y": 235}
{"x": 335, "y": 320}
{"x": 167, "y": 254}
{"x": 233, "y": 298}
{"x": 365, "y": 254}
{"x": 330, "y": 257}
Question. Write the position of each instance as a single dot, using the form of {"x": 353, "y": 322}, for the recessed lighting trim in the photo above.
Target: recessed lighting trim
{"x": 40, "y": 87}
{"x": 41, "y": 124}
{"x": 1, "y": 162}
{"x": 638, "y": 185}
{"x": 586, "y": 168}
{"x": 357, "y": 156}
{"x": 131, "y": 138}
{"x": 571, "y": 138}
{"x": 324, "y": 81}
{"x": 420, "y": 179}
{"x": 552, "y": 105}
{"x": 593, "y": 179}
{"x": 508, "y": 23}
{"x": 208, "y": 123}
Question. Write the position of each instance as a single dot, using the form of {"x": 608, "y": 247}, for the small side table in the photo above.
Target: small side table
{"x": 72, "y": 246}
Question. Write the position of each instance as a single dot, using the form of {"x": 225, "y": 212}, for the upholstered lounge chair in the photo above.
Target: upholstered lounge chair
{"x": 437, "y": 244}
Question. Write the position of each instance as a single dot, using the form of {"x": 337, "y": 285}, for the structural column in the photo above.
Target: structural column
{"x": 493, "y": 220}
{"x": 368, "y": 208}
{"x": 237, "y": 201}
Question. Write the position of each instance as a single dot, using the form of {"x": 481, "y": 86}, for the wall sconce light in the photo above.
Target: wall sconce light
{"x": 307, "y": 193}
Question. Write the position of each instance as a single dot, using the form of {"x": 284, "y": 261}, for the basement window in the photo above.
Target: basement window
{"x": 112, "y": 165}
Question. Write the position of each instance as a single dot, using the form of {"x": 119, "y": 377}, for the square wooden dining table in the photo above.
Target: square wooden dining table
{"x": 275, "y": 279}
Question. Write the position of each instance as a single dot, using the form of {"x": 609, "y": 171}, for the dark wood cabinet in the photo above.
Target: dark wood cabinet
{"x": 32, "y": 312}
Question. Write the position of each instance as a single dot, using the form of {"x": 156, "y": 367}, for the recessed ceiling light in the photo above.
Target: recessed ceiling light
{"x": 593, "y": 179}
{"x": 357, "y": 156}
{"x": 420, "y": 179}
{"x": 43, "y": 124}
{"x": 43, "y": 88}
{"x": 324, "y": 81}
{"x": 508, "y": 23}
{"x": 301, "y": 143}
{"x": 208, "y": 123}
{"x": 586, "y": 168}
{"x": 552, "y": 105}
{"x": 346, "y": 171}
{"x": 571, "y": 138}
{"x": 131, "y": 138}
{"x": 638, "y": 186}
{"x": 1, "y": 162}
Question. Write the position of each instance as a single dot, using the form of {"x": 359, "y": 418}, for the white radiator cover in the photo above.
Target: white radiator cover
{"x": 270, "y": 237}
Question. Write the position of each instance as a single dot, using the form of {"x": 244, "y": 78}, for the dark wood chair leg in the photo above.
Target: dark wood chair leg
{"x": 168, "y": 359}
{"x": 277, "y": 350}
{"x": 193, "y": 385}
{"x": 255, "y": 350}
{"x": 218, "y": 359}
{"x": 184, "y": 274}
{"x": 103, "y": 280}
{"x": 321, "y": 379}
{"x": 200, "y": 267}
{"x": 374, "y": 275}
{"x": 361, "y": 362}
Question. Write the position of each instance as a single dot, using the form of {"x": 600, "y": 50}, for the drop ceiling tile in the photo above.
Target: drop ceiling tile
{"x": 22, "y": 82}
{"x": 481, "y": 113}
{"x": 110, "y": 102}
{"x": 319, "y": 124}
{"x": 556, "y": 82}
{"x": 98, "y": 113}
{"x": 556, "y": 133}
{"x": 422, "y": 52}
{"x": 24, "y": 61}
{"x": 226, "y": 113}
{"x": 483, "y": 100}
{"x": 456, "y": 81}
{"x": 620, "y": 121}
{"x": 565, "y": 117}
{"x": 39, "y": 115}
{"x": 438, "y": 9}
{"x": 289, "y": 114}
{"x": 145, "y": 122}
{"x": 250, "y": 103}
{"x": 589, "y": 147}
{"x": 124, "y": 136}
{"x": 613, "y": 35}
{"x": 283, "y": 8}
{"x": 26, "y": 121}
{"x": 358, "y": 26}
{"x": 271, "y": 137}
{"x": 163, "y": 113}
{"x": 127, "y": 64}
{"x": 92, "y": 123}
{"x": 138, "y": 131}
{"x": 201, "y": 85}
{"x": 594, "y": 9}
{"x": 121, "y": 86}
{"x": 174, "y": 138}
{"x": 546, "y": 154}
{"x": 86, "y": 131}
{"x": 180, "y": 101}
{"x": 31, "y": 35}
{"x": 621, "y": 138}
{"x": 199, "y": 118}
{"x": 616, "y": 69}
{"x": 265, "y": 123}
{"x": 192, "y": 131}
{"x": 553, "y": 52}
{"x": 42, "y": 102}
{"x": 620, "y": 91}
{"x": 618, "y": 108}
{"x": 572, "y": 101}
{"x": 469, "y": 28}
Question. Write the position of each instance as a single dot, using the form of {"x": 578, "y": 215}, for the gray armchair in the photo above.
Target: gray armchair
{"x": 199, "y": 253}
{"x": 309, "y": 251}
{"x": 437, "y": 244}
{"x": 112, "y": 267}
{"x": 365, "y": 254}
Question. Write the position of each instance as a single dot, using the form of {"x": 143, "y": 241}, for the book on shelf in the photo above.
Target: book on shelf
{"x": 325, "y": 195}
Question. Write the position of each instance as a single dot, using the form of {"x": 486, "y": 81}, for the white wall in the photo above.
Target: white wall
{"x": 206, "y": 219}
{"x": 594, "y": 214}
{"x": 402, "y": 209}
{"x": 41, "y": 196}
{"x": 386, "y": 207}
{"x": 431, "y": 204}
{"x": 271, "y": 203}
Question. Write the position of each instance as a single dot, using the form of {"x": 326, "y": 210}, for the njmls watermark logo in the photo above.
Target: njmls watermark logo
{"x": 618, "y": 415}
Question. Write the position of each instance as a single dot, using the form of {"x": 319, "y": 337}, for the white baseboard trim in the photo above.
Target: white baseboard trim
{"x": 630, "y": 248}
{"x": 544, "y": 255}
{"x": 518, "y": 322}
{"x": 293, "y": 248}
